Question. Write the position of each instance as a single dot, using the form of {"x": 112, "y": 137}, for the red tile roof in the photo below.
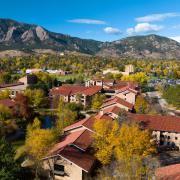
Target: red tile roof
{"x": 157, "y": 122}
{"x": 75, "y": 89}
{"x": 82, "y": 159}
{"x": 117, "y": 100}
{"x": 84, "y": 140}
{"x": 87, "y": 122}
{"x": 91, "y": 90}
{"x": 112, "y": 109}
{"x": 67, "y": 90}
{"x": 130, "y": 83}
{"x": 8, "y": 102}
{"x": 74, "y": 147}
{"x": 11, "y": 85}
{"x": 171, "y": 172}
{"x": 118, "y": 86}
{"x": 68, "y": 139}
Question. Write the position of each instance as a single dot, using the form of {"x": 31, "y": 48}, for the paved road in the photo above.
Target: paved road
{"x": 160, "y": 104}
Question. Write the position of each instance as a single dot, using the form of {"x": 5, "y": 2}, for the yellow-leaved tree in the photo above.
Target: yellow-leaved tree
{"x": 65, "y": 115}
{"x": 37, "y": 144}
{"x": 141, "y": 105}
{"x": 126, "y": 144}
{"x": 4, "y": 94}
{"x": 139, "y": 77}
{"x": 105, "y": 138}
{"x": 132, "y": 141}
{"x": 97, "y": 101}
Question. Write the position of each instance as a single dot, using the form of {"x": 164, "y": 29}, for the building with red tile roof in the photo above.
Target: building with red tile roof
{"x": 171, "y": 172}
{"x": 157, "y": 122}
{"x": 165, "y": 129}
{"x": 83, "y": 160}
{"x": 87, "y": 123}
{"x": 14, "y": 88}
{"x": 73, "y": 153}
{"x": 119, "y": 102}
{"x": 75, "y": 93}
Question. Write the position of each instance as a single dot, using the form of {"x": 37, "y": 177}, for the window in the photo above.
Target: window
{"x": 155, "y": 135}
{"x": 59, "y": 169}
{"x": 168, "y": 137}
{"x": 12, "y": 92}
{"x": 176, "y": 138}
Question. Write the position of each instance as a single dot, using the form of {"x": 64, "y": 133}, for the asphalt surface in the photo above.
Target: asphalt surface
{"x": 160, "y": 104}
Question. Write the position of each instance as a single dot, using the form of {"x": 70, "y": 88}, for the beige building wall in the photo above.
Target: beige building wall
{"x": 15, "y": 89}
{"x": 129, "y": 97}
{"x": 129, "y": 68}
{"x": 169, "y": 137}
{"x": 73, "y": 172}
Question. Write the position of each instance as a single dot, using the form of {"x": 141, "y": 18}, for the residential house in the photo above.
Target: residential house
{"x": 75, "y": 93}
{"x": 165, "y": 129}
{"x": 58, "y": 72}
{"x": 73, "y": 157}
{"x": 118, "y": 102}
{"x": 32, "y": 71}
{"x": 100, "y": 82}
{"x": 127, "y": 93}
{"x": 14, "y": 88}
{"x": 111, "y": 86}
{"x": 129, "y": 69}
{"x": 112, "y": 71}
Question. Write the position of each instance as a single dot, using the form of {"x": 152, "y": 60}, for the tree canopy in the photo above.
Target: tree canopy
{"x": 9, "y": 168}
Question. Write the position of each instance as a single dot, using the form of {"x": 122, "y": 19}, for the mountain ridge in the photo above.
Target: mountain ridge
{"x": 19, "y": 36}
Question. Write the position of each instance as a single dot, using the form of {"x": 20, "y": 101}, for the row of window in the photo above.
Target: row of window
{"x": 168, "y": 137}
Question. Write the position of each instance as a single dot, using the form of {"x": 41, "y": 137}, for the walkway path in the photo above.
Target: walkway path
{"x": 161, "y": 105}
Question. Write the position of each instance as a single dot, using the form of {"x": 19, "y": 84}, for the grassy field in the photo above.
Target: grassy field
{"x": 66, "y": 77}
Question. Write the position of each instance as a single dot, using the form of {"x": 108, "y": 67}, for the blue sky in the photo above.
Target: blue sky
{"x": 104, "y": 20}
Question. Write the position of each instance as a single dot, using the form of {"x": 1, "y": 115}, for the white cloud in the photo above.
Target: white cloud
{"x": 111, "y": 30}
{"x": 176, "y": 26}
{"x": 130, "y": 30}
{"x": 176, "y": 38}
{"x": 156, "y": 17}
{"x": 144, "y": 28}
{"x": 87, "y": 21}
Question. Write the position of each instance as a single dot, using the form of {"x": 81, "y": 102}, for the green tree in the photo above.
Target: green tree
{"x": 65, "y": 115}
{"x": 9, "y": 168}
{"x": 36, "y": 97}
{"x": 141, "y": 105}
{"x": 172, "y": 95}
{"x": 97, "y": 101}
{"x": 5, "y": 112}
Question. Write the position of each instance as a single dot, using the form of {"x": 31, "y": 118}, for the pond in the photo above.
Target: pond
{"x": 47, "y": 123}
